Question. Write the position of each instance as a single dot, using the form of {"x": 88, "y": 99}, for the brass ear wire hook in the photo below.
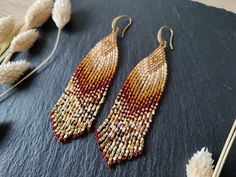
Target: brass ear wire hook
{"x": 114, "y": 22}
{"x": 163, "y": 42}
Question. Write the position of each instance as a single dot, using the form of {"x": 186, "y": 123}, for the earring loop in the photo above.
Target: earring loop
{"x": 163, "y": 42}
{"x": 114, "y": 22}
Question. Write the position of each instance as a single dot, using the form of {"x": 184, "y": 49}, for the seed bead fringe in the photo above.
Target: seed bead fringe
{"x": 121, "y": 136}
{"x": 78, "y": 106}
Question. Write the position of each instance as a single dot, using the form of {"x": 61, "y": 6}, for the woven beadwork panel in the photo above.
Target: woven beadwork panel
{"x": 80, "y": 102}
{"x": 121, "y": 136}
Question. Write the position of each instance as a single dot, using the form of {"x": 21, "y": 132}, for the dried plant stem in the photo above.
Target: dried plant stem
{"x": 4, "y": 54}
{"x": 8, "y": 57}
{"x": 3, "y": 47}
{"x": 225, "y": 151}
{"x": 37, "y": 68}
{"x": 23, "y": 28}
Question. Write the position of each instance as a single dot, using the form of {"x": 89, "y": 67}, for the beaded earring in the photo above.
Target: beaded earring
{"x": 121, "y": 135}
{"x": 79, "y": 104}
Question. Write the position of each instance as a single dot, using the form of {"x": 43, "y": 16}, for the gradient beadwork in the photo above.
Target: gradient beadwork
{"x": 80, "y": 102}
{"x": 121, "y": 136}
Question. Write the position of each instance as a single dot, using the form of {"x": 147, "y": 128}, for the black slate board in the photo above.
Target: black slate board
{"x": 197, "y": 109}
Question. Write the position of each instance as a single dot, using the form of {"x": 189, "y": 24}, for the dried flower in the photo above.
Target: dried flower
{"x": 38, "y": 13}
{"x": 11, "y": 71}
{"x": 61, "y": 16}
{"x": 23, "y": 41}
{"x": 61, "y": 12}
{"x": 201, "y": 164}
{"x": 7, "y": 25}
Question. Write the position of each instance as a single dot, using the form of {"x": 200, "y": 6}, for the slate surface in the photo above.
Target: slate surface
{"x": 197, "y": 109}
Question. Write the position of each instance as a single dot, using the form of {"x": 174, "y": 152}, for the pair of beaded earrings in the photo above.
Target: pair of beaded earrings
{"x": 121, "y": 135}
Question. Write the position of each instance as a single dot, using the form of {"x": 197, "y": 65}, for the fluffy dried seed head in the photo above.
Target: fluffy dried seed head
{"x": 38, "y": 13}
{"x": 201, "y": 164}
{"x": 61, "y": 12}
{"x": 24, "y": 41}
{"x": 7, "y": 25}
{"x": 11, "y": 71}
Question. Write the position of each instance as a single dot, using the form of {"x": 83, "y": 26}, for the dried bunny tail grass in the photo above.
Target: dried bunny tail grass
{"x": 11, "y": 71}
{"x": 23, "y": 41}
{"x": 38, "y": 13}
{"x": 61, "y": 12}
{"x": 7, "y": 38}
{"x": 201, "y": 164}
{"x": 37, "y": 68}
{"x": 7, "y": 25}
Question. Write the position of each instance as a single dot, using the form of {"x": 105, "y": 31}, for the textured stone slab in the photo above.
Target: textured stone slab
{"x": 196, "y": 110}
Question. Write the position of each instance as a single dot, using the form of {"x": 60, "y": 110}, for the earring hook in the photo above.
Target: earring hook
{"x": 163, "y": 42}
{"x": 114, "y": 22}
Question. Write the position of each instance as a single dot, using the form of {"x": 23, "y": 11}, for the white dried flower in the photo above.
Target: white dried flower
{"x": 201, "y": 164}
{"x": 23, "y": 41}
{"x": 61, "y": 12}
{"x": 11, "y": 71}
{"x": 38, "y": 13}
{"x": 7, "y": 25}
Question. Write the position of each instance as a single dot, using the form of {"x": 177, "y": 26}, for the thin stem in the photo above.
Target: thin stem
{"x": 3, "y": 48}
{"x": 4, "y": 54}
{"x": 8, "y": 57}
{"x": 225, "y": 151}
{"x": 37, "y": 68}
